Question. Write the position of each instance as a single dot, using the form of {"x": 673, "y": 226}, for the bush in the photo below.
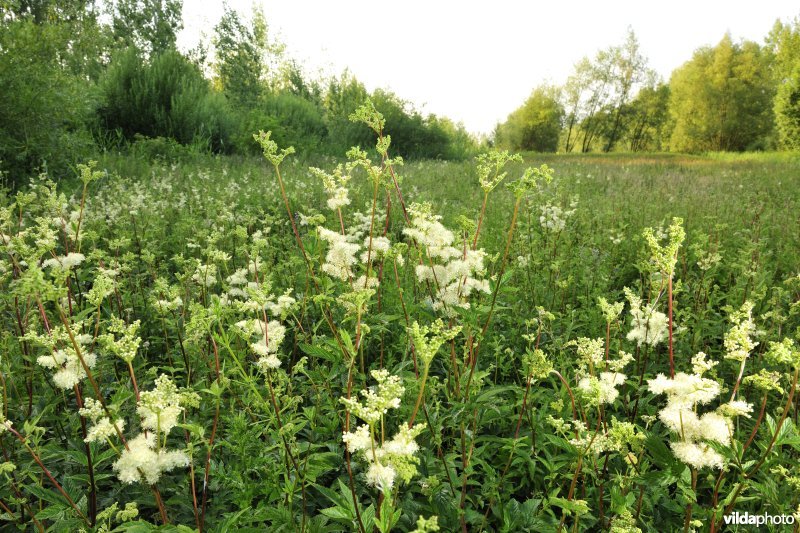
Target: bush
{"x": 44, "y": 107}
{"x": 164, "y": 97}
{"x": 292, "y": 119}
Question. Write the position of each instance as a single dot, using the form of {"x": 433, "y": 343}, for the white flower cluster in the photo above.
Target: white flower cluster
{"x": 648, "y": 326}
{"x": 143, "y": 461}
{"x": 270, "y": 336}
{"x": 341, "y": 256}
{"x": 205, "y": 275}
{"x": 455, "y": 273}
{"x": 67, "y": 365}
{"x": 160, "y": 407}
{"x": 377, "y": 400}
{"x": 603, "y": 389}
{"x": 386, "y": 461}
{"x": 554, "y": 218}
{"x": 393, "y": 458}
{"x": 738, "y": 341}
{"x": 335, "y": 185}
{"x": 103, "y": 428}
{"x": 684, "y": 393}
{"x": 144, "y": 457}
{"x": 64, "y": 262}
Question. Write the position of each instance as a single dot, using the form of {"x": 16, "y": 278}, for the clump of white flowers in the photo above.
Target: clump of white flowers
{"x": 554, "y": 217}
{"x": 65, "y": 262}
{"x": 103, "y": 428}
{"x": 269, "y": 337}
{"x": 143, "y": 461}
{"x": 599, "y": 387}
{"x": 648, "y": 326}
{"x": 65, "y": 360}
{"x": 391, "y": 459}
{"x": 685, "y": 392}
{"x": 145, "y": 457}
{"x": 335, "y": 184}
{"x": 455, "y": 273}
{"x": 341, "y": 256}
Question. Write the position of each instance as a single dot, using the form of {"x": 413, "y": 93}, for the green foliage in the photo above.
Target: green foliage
{"x": 784, "y": 41}
{"x": 721, "y": 99}
{"x": 148, "y": 25}
{"x": 165, "y": 96}
{"x": 536, "y": 125}
{"x": 243, "y": 55}
{"x": 181, "y": 261}
{"x": 45, "y": 106}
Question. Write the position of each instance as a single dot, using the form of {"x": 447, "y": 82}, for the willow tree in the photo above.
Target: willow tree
{"x": 721, "y": 99}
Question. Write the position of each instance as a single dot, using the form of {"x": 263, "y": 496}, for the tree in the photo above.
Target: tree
{"x": 647, "y": 118}
{"x": 45, "y": 105}
{"x": 596, "y": 93}
{"x": 627, "y": 70}
{"x": 536, "y": 124}
{"x": 163, "y": 96}
{"x": 722, "y": 99}
{"x": 150, "y": 25}
{"x": 243, "y": 56}
{"x": 784, "y": 43}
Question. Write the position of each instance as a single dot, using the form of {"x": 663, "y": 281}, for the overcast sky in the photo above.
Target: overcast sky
{"x": 475, "y": 62}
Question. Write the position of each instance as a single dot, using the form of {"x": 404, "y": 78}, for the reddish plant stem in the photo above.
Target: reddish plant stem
{"x": 47, "y": 473}
{"x": 669, "y": 314}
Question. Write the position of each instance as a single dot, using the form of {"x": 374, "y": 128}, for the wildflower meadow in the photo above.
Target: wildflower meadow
{"x": 325, "y": 344}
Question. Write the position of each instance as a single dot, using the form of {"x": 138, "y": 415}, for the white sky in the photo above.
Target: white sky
{"x": 475, "y": 62}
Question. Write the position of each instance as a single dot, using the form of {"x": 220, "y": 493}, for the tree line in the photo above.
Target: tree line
{"x": 735, "y": 96}
{"x": 79, "y": 76}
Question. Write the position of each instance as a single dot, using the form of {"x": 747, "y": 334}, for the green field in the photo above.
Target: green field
{"x": 219, "y": 362}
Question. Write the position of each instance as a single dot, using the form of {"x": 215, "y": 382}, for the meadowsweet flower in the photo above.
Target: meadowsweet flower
{"x": 701, "y": 365}
{"x": 358, "y": 440}
{"x": 738, "y": 342}
{"x": 381, "y": 476}
{"x": 554, "y": 218}
{"x": 380, "y": 247}
{"x": 67, "y": 365}
{"x": 269, "y": 335}
{"x": 143, "y": 461}
{"x": 428, "y": 339}
{"x": 610, "y": 311}
{"x": 341, "y": 254}
{"x": 283, "y": 305}
{"x": 65, "y": 262}
{"x": 377, "y": 400}
{"x": 102, "y": 429}
{"x": 648, "y": 326}
{"x": 684, "y": 393}
{"x": 269, "y": 362}
{"x": 205, "y": 275}
{"x": 121, "y": 340}
{"x": 591, "y": 352}
{"x": 697, "y": 455}
{"x": 736, "y": 408}
{"x": 160, "y": 408}
{"x": 685, "y": 389}
{"x": 428, "y": 525}
{"x": 783, "y": 353}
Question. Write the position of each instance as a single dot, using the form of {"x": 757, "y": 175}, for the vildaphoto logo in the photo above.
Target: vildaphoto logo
{"x": 747, "y": 519}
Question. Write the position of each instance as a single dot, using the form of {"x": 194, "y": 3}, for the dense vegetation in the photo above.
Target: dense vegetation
{"x": 185, "y": 343}
{"x": 203, "y": 329}
{"x": 81, "y": 77}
